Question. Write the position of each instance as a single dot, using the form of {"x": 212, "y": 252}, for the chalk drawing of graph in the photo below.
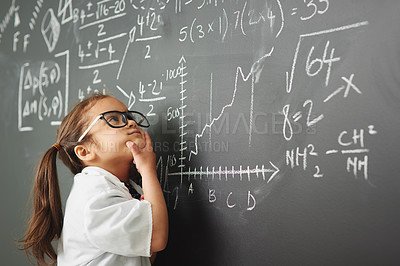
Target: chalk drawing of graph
{"x": 212, "y": 171}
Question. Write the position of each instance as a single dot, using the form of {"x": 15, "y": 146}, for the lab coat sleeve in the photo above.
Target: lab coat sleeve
{"x": 119, "y": 225}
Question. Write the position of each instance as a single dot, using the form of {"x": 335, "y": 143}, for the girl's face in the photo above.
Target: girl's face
{"x": 109, "y": 143}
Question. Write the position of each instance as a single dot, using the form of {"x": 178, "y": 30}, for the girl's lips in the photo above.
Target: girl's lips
{"x": 136, "y": 131}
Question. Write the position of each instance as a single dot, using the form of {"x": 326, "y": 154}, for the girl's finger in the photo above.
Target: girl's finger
{"x": 148, "y": 142}
{"x": 132, "y": 147}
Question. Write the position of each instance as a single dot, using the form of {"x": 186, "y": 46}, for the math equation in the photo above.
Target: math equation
{"x": 239, "y": 97}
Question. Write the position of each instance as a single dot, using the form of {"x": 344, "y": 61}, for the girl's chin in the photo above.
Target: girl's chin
{"x": 139, "y": 142}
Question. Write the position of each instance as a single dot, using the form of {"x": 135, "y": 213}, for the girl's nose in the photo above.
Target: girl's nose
{"x": 131, "y": 123}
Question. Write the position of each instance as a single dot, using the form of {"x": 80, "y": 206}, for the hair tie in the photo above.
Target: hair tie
{"x": 57, "y": 146}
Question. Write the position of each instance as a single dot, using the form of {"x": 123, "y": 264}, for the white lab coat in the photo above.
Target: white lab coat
{"x": 103, "y": 224}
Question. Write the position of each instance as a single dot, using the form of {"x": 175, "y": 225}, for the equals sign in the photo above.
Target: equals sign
{"x": 296, "y": 116}
{"x": 294, "y": 11}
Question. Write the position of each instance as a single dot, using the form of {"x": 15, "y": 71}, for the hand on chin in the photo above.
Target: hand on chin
{"x": 139, "y": 142}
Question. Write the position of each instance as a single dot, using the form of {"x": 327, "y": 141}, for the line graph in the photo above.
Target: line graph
{"x": 239, "y": 73}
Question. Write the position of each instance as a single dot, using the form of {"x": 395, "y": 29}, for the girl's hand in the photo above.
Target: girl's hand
{"x": 144, "y": 158}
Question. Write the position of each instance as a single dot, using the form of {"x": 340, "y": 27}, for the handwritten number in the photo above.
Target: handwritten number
{"x": 319, "y": 62}
{"x": 326, "y": 8}
{"x": 312, "y": 6}
{"x": 314, "y": 121}
{"x": 101, "y": 32}
{"x": 96, "y": 80}
{"x": 309, "y": 65}
{"x": 318, "y": 172}
{"x": 147, "y": 56}
{"x": 150, "y": 113}
{"x": 119, "y": 6}
{"x": 153, "y": 15}
{"x": 312, "y": 151}
{"x": 153, "y": 91}
{"x": 81, "y": 95}
{"x": 172, "y": 113}
{"x": 286, "y": 123}
{"x": 184, "y": 33}
{"x": 201, "y": 32}
{"x": 81, "y": 54}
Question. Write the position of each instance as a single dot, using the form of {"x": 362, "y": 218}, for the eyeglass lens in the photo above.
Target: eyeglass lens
{"x": 138, "y": 118}
{"x": 115, "y": 119}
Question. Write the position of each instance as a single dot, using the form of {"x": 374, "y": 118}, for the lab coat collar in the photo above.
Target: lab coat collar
{"x": 110, "y": 177}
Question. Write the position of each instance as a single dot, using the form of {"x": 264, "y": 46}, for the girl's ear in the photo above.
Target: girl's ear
{"x": 84, "y": 153}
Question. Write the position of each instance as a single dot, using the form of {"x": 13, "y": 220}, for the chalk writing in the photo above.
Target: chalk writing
{"x": 353, "y": 144}
{"x": 311, "y": 9}
{"x": 206, "y": 78}
{"x": 12, "y": 11}
{"x": 42, "y": 94}
{"x": 35, "y": 13}
{"x": 50, "y": 30}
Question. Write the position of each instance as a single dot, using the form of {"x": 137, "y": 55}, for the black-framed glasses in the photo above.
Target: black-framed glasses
{"x": 117, "y": 119}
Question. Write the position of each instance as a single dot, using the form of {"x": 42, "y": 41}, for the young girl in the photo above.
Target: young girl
{"x": 106, "y": 222}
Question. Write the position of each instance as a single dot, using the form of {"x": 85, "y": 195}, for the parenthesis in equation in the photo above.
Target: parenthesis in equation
{"x": 282, "y": 16}
{"x": 241, "y": 18}
{"x": 55, "y": 76}
{"x": 60, "y": 102}
{"x": 42, "y": 102}
{"x": 226, "y": 23}
{"x": 191, "y": 30}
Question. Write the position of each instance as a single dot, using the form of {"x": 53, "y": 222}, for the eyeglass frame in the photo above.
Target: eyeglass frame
{"x": 124, "y": 117}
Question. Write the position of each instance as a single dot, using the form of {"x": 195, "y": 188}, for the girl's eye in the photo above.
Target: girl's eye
{"x": 114, "y": 119}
